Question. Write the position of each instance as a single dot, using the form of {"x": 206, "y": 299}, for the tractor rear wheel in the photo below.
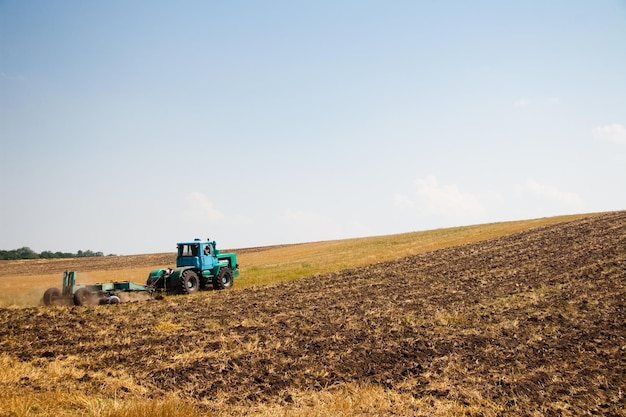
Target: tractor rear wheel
{"x": 82, "y": 297}
{"x": 223, "y": 280}
{"x": 51, "y": 295}
{"x": 189, "y": 282}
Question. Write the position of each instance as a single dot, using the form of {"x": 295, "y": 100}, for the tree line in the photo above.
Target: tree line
{"x": 28, "y": 253}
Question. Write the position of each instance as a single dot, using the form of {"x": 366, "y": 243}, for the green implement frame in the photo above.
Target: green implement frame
{"x": 89, "y": 294}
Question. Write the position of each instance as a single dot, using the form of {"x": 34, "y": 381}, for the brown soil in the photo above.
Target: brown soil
{"x": 532, "y": 323}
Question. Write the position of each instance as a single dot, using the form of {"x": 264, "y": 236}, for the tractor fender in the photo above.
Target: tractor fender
{"x": 154, "y": 275}
{"x": 157, "y": 277}
{"x": 176, "y": 274}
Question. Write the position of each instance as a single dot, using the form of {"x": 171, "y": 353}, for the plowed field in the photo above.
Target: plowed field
{"x": 529, "y": 324}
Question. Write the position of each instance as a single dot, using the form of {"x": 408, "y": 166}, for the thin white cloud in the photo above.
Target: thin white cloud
{"x": 445, "y": 200}
{"x": 199, "y": 208}
{"x": 551, "y": 193}
{"x": 403, "y": 201}
{"x": 522, "y": 102}
{"x": 307, "y": 226}
{"x": 439, "y": 204}
{"x": 615, "y": 133}
{"x": 443, "y": 205}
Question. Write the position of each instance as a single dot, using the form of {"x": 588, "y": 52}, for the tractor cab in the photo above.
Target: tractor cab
{"x": 198, "y": 254}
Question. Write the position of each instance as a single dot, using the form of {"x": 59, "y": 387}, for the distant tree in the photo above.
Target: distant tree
{"x": 21, "y": 253}
{"x": 26, "y": 253}
{"x": 7, "y": 255}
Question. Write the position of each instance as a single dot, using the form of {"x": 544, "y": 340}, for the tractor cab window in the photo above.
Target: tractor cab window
{"x": 188, "y": 249}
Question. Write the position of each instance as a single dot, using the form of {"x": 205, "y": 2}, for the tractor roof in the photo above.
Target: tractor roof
{"x": 196, "y": 240}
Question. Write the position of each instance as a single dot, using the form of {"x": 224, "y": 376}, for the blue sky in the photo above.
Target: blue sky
{"x": 126, "y": 126}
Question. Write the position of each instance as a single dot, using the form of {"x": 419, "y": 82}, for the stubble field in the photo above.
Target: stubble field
{"x": 528, "y": 324}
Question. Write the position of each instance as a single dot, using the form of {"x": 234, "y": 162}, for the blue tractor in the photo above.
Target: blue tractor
{"x": 198, "y": 264}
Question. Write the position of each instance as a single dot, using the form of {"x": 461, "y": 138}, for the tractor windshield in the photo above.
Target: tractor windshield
{"x": 188, "y": 249}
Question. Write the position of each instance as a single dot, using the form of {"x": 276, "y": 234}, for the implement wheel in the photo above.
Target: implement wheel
{"x": 223, "y": 280}
{"x": 189, "y": 282}
{"x": 82, "y": 297}
{"x": 51, "y": 295}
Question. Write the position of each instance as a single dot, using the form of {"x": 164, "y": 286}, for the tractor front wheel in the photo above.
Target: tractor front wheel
{"x": 82, "y": 297}
{"x": 189, "y": 282}
{"x": 51, "y": 295}
{"x": 223, "y": 280}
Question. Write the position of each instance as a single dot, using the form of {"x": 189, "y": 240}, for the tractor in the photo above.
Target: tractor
{"x": 198, "y": 264}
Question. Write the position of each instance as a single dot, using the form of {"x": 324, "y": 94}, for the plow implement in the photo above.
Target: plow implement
{"x": 92, "y": 294}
